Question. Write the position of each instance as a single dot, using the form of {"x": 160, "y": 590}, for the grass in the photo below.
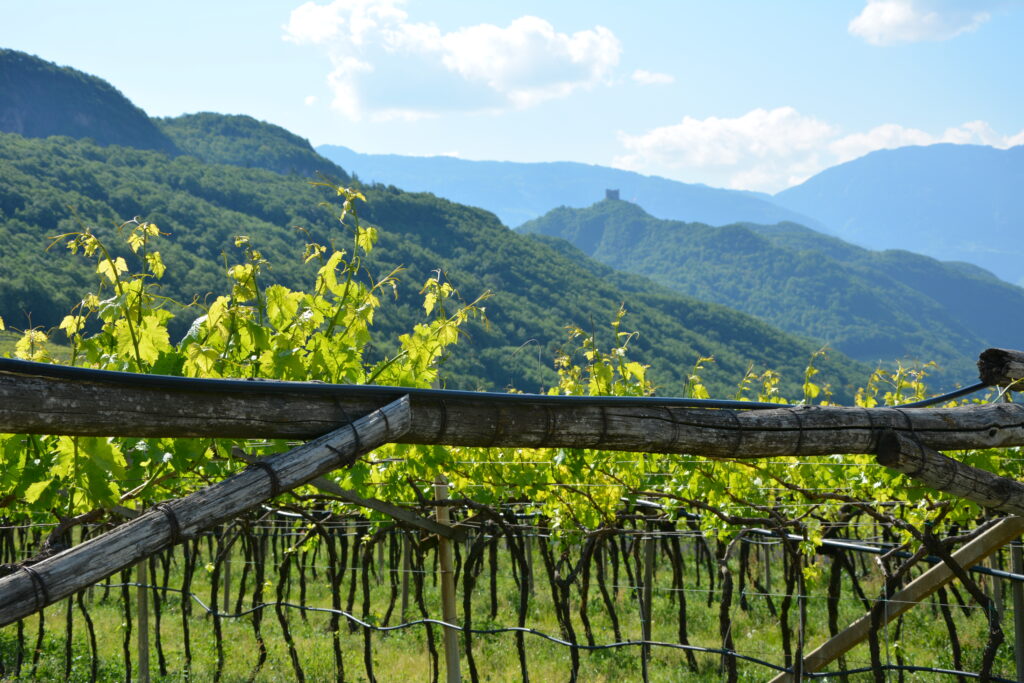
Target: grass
{"x": 403, "y": 655}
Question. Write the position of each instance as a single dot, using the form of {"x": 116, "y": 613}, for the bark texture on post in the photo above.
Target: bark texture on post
{"x": 33, "y": 404}
{"x": 32, "y": 588}
{"x": 942, "y": 473}
{"x": 1002, "y": 368}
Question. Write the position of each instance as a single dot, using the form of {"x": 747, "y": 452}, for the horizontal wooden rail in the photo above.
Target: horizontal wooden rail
{"x": 30, "y": 588}
{"x": 38, "y": 404}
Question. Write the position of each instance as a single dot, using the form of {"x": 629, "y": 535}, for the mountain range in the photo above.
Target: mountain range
{"x": 518, "y": 192}
{"x": 950, "y": 202}
{"x": 874, "y": 306}
{"x": 206, "y": 178}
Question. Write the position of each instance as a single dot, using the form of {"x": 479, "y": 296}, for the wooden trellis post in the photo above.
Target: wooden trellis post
{"x": 444, "y": 553}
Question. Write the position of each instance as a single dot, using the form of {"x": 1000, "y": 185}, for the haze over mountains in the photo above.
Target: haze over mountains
{"x": 951, "y": 202}
{"x": 206, "y": 178}
{"x": 518, "y": 192}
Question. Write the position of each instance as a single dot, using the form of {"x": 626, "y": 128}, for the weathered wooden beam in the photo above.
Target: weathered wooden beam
{"x": 237, "y": 409}
{"x": 913, "y": 593}
{"x": 903, "y": 453}
{"x": 33, "y": 587}
{"x": 1002, "y": 368}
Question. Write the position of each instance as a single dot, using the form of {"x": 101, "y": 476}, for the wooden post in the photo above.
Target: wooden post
{"x": 646, "y": 611}
{"x": 1017, "y": 590}
{"x": 444, "y": 552}
{"x": 1002, "y": 367}
{"x": 903, "y": 453}
{"x": 914, "y": 592}
{"x": 227, "y": 581}
{"x": 529, "y": 559}
{"x": 998, "y": 597}
{"x": 142, "y": 616}
{"x": 406, "y": 569}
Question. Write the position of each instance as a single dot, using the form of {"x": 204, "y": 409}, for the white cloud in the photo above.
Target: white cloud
{"x": 891, "y": 135}
{"x": 310, "y": 100}
{"x": 769, "y": 150}
{"x": 888, "y": 22}
{"x": 387, "y": 66}
{"x": 763, "y": 149}
{"x": 645, "y": 77}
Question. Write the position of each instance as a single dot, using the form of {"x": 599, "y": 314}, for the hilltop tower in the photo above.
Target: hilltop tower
{"x": 611, "y": 194}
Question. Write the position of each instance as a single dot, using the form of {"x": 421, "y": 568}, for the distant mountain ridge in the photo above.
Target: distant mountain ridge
{"x": 39, "y": 99}
{"x": 518, "y": 192}
{"x": 951, "y": 202}
{"x": 873, "y": 306}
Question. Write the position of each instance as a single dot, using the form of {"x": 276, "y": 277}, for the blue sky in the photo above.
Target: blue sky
{"x": 743, "y": 94}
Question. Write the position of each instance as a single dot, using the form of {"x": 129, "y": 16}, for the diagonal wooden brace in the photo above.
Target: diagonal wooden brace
{"x": 903, "y": 453}
{"x": 36, "y": 586}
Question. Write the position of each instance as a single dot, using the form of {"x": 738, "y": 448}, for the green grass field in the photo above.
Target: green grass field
{"x": 403, "y": 655}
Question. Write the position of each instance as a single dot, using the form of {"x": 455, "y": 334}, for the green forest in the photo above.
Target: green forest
{"x": 59, "y": 185}
{"x": 874, "y": 306}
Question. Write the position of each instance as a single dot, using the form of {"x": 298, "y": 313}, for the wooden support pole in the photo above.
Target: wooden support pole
{"x": 449, "y": 615}
{"x": 31, "y": 588}
{"x": 406, "y": 570}
{"x": 227, "y": 581}
{"x": 142, "y": 617}
{"x": 902, "y": 453}
{"x": 528, "y": 539}
{"x": 914, "y": 592}
{"x": 1017, "y": 590}
{"x": 647, "y": 598}
{"x": 1002, "y": 367}
{"x": 33, "y": 401}
{"x": 998, "y": 597}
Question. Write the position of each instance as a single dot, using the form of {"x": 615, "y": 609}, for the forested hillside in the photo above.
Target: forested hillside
{"x": 39, "y": 98}
{"x": 874, "y": 306}
{"x": 244, "y": 141}
{"x": 59, "y": 185}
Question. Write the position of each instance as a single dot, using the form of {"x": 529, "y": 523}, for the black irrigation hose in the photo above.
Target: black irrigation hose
{"x": 387, "y": 393}
{"x": 577, "y": 645}
{"x": 959, "y": 393}
{"x": 881, "y": 550}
